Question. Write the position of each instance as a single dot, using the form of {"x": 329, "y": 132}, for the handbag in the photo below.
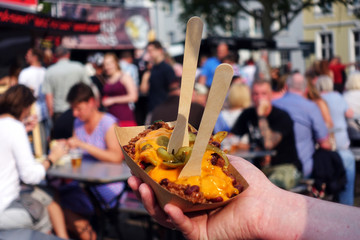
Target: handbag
{"x": 32, "y": 206}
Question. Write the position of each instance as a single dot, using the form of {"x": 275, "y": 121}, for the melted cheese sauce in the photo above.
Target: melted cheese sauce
{"x": 213, "y": 182}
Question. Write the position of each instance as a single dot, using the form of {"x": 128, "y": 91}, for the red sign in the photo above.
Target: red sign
{"x": 24, "y": 3}
{"x": 120, "y": 28}
{"x": 42, "y": 22}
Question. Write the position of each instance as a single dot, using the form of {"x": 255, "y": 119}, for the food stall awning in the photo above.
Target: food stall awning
{"x": 11, "y": 19}
{"x": 236, "y": 43}
{"x": 19, "y": 29}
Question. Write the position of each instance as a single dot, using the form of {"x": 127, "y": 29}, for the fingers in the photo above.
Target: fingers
{"x": 151, "y": 205}
{"x": 180, "y": 221}
{"x": 134, "y": 184}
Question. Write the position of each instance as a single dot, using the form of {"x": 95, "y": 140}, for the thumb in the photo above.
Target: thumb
{"x": 181, "y": 221}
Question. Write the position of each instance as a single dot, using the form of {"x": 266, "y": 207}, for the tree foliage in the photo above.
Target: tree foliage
{"x": 221, "y": 13}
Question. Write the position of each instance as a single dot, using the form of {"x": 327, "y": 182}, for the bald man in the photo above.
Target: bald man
{"x": 308, "y": 121}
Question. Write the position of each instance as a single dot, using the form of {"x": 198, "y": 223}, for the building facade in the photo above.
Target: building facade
{"x": 335, "y": 31}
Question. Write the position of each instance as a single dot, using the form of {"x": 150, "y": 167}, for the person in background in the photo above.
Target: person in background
{"x": 94, "y": 134}
{"x": 208, "y": 70}
{"x": 308, "y": 121}
{"x": 267, "y": 212}
{"x": 161, "y": 77}
{"x": 168, "y": 110}
{"x": 249, "y": 70}
{"x": 352, "y": 96}
{"x": 339, "y": 110}
{"x": 338, "y": 71}
{"x": 279, "y": 88}
{"x": 59, "y": 78}
{"x": 127, "y": 65}
{"x": 18, "y": 164}
{"x": 177, "y": 67}
{"x": 200, "y": 94}
{"x": 98, "y": 79}
{"x": 141, "y": 62}
{"x": 270, "y": 128}
{"x": 238, "y": 99}
{"x": 263, "y": 69}
{"x": 233, "y": 59}
{"x": 119, "y": 91}
{"x": 48, "y": 57}
{"x": 33, "y": 77}
{"x": 9, "y": 75}
{"x": 313, "y": 94}
{"x": 322, "y": 68}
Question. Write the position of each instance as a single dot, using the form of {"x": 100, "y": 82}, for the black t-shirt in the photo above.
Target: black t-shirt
{"x": 64, "y": 125}
{"x": 168, "y": 110}
{"x": 279, "y": 121}
{"x": 162, "y": 75}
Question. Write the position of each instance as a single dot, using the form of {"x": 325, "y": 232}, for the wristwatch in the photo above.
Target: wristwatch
{"x": 50, "y": 162}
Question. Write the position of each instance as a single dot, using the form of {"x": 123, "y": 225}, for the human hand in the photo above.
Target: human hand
{"x": 264, "y": 108}
{"x": 242, "y": 218}
{"x": 74, "y": 142}
{"x": 107, "y": 101}
{"x": 30, "y": 122}
{"x": 57, "y": 151}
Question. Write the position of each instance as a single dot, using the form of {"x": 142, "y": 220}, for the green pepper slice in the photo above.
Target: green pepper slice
{"x": 219, "y": 136}
{"x": 146, "y": 146}
{"x": 182, "y": 153}
{"x": 162, "y": 141}
{"x": 149, "y": 168}
{"x": 164, "y": 155}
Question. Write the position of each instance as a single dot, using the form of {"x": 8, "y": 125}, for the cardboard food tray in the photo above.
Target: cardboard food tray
{"x": 125, "y": 134}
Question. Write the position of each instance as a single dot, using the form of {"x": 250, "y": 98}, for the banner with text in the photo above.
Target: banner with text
{"x": 120, "y": 28}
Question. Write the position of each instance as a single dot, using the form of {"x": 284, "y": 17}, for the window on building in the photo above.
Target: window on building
{"x": 326, "y": 45}
{"x": 168, "y": 8}
{"x": 171, "y": 37}
{"x": 258, "y": 28}
{"x": 354, "y": 7}
{"x": 357, "y": 45}
{"x": 323, "y": 8}
{"x": 284, "y": 57}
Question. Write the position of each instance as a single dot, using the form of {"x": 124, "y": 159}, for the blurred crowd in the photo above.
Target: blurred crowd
{"x": 309, "y": 119}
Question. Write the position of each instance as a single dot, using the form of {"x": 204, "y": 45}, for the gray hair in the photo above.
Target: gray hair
{"x": 324, "y": 83}
{"x": 61, "y": 51}
{"x": 296, "y": 82}
{"x": 353, "y": 81}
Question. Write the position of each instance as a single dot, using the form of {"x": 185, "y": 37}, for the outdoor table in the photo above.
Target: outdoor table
{"x": 91, "y": 174}
{"x": 249, "y": 155}
{"x": 26, "y": 234}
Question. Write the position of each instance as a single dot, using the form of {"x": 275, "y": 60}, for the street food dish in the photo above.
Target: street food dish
{"x": 216, "y": 184}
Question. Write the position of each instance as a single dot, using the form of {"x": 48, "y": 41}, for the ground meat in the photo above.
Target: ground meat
{"x": 216, "y": 160}
{"x": 130, "y": 148}
{"x": 190, "y": 193}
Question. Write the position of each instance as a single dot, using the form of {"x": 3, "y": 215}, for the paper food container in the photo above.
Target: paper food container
{"x": 125, "y": 134}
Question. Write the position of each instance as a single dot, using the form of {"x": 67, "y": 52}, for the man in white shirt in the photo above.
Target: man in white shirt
{"x": 33, "y": 77}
